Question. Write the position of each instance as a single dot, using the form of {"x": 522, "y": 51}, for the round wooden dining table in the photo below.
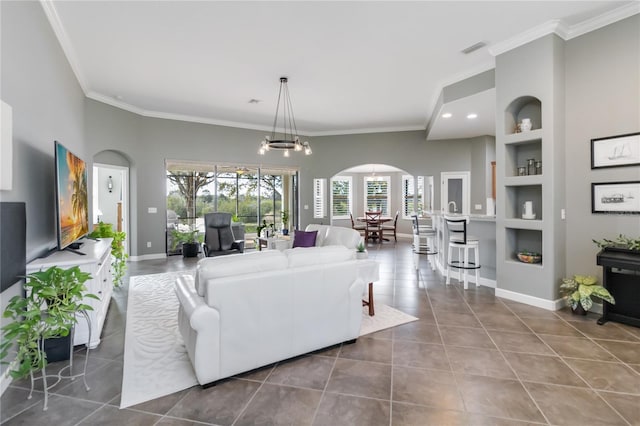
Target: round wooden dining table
{"x": 380, "y": 220}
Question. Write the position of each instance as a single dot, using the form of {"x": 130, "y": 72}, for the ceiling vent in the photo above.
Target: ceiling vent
{"x": 474, "y": 47}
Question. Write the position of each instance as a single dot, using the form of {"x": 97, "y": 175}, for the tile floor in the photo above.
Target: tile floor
{"x": 471, "y": 359}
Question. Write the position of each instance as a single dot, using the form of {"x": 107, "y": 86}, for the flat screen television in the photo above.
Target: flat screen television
{"x": 72, "y": 205}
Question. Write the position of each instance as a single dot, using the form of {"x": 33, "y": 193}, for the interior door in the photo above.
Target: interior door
{"x": 454, "y": 193}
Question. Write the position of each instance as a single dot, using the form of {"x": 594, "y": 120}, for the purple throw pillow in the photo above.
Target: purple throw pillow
{"x": 304, "y": 238}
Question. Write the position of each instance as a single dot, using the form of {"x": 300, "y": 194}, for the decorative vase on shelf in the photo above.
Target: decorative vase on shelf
{"x": 525, "y": 125}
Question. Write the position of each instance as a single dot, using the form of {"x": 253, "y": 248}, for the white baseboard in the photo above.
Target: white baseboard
{"x": 485, "y": 282}
{"x": 550, "y": 305}
{"x": 148, "y": 257}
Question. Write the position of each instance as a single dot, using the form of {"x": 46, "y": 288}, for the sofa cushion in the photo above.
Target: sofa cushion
{"x": 318, "y": 256}
{"x": 322, "y": 231}
{"x": 304, "y": 238}
{"x": 341, "y": 236}
{"x": 225, "y": 266}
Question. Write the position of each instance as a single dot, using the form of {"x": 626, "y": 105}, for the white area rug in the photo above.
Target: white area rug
{"x": 156, "y": 362}
{"x": 385, "y": 317}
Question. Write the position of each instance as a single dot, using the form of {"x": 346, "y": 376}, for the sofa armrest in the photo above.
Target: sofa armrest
{"x": 199, "y": 325}
{"x": 201, "y": 316}
{"x": 355, "y": 299}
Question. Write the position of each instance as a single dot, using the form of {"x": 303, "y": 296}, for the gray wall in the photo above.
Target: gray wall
{"x": 483, "y": 152}
{"x": 147, "y": 142}
{"x": 602, "y": 99}
{"x": 47, "y": 103}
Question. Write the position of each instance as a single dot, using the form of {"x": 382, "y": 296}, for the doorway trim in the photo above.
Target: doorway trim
{"x": 444, "y": 194}
{"x": 125, "y": 198}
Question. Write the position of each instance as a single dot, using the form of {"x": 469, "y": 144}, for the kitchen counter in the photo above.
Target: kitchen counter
{"x": 481, "y": 226}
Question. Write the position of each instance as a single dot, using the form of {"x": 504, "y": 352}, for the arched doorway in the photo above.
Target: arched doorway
{"x": 111, "y": 191}
{"x": 380, "y": 187}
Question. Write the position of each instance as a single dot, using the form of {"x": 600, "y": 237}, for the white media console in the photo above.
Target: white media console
{"x": 97, "y": 262}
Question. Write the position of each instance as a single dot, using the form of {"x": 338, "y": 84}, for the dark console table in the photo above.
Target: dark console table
{"x": 621, "y": 276}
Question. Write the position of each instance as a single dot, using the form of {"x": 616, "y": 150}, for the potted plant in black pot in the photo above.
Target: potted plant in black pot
{"x": 620, "y": 243}
{"x": 48, "y": 310}
{"x": 190, "y": 241}
{"x": 580, "y": 291}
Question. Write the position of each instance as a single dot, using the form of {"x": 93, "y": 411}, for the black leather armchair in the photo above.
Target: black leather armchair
{"x": 218, "y": 236}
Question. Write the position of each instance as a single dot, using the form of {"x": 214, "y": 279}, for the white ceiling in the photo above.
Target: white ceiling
{"x": 352, "y": 66}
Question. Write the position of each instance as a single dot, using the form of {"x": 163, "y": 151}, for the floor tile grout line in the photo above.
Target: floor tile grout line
{"x": 446, "y": 353}
{"x": 91, "y": 414}
{"x": 326, "y": 385}
{"x": 505, "y": 358}
{"x": 244, "y": 409}
{"x": 23, "y": 410}
{"x": 176, "y": 404}
{"x": 595, "y": 391}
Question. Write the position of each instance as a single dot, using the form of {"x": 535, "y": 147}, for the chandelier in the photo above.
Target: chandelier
{"x": 288, "y": 140}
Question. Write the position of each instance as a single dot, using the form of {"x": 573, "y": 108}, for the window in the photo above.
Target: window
{"x": 341, "y": 197}
{"x": 251, "y": 194}
{"x": 319, "y": 206}
{"x": 413, "y": 199}
{"x": 408, "y": 194}
{"x": 377, "y": 194}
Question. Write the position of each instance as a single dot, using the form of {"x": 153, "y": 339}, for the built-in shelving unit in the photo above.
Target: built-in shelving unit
{"x": 537, "y": 95}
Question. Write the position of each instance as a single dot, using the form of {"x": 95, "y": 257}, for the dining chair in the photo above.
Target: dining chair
{"x": 392, "y": 227}
{"x": 362, "y": 228}
{"x": 373, "y": 226}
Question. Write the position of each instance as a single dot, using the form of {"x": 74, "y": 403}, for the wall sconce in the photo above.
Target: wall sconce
{"x": 110, "y": 184}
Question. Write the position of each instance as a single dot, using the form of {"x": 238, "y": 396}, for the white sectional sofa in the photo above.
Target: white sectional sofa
{"x": 335, "y": 235}
{"x": 241, "y": 312}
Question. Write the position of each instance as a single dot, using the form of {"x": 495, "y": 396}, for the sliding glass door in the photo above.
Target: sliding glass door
{"x": 251, "y": 194}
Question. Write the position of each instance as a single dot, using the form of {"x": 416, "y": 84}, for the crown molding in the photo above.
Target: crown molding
{"x": 551, "y": 27}
{"x": 368, "y": 130}
{"x": 603, "y": 20}
{"x": 204, "y": 120}
{"x": 564, "y": 31}
{"x": 54, "y": 20}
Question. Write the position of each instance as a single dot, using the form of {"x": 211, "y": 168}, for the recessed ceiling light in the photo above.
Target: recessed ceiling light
{"x": 472, "y": 116}
{"x": 446, "y": 115}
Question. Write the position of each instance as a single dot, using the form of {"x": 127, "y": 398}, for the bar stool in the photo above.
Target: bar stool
{"x": 424, "y": 242}
{"x": 460, "y": 240}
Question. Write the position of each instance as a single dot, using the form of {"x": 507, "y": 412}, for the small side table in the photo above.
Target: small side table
{"x": 273, "y": 243}
{"x": 61, "y": 374}
{"x": 369, "y": 271}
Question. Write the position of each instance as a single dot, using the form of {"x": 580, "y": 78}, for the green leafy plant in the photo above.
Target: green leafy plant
{"x": 53, "y": 297}
{"x": 582, "y": 289}
{"x": 119, "y": 262}
{"x": 285, "y": 218}
{"x": 189, "y": 237}
{"x": 234, "y": 218}
{"x": 360, "y": 248}
{"x": 620, "y": 242}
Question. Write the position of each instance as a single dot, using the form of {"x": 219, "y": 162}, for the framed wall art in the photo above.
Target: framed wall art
{"x": 615, "y": 197}
{"x": 615, "y": 151}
